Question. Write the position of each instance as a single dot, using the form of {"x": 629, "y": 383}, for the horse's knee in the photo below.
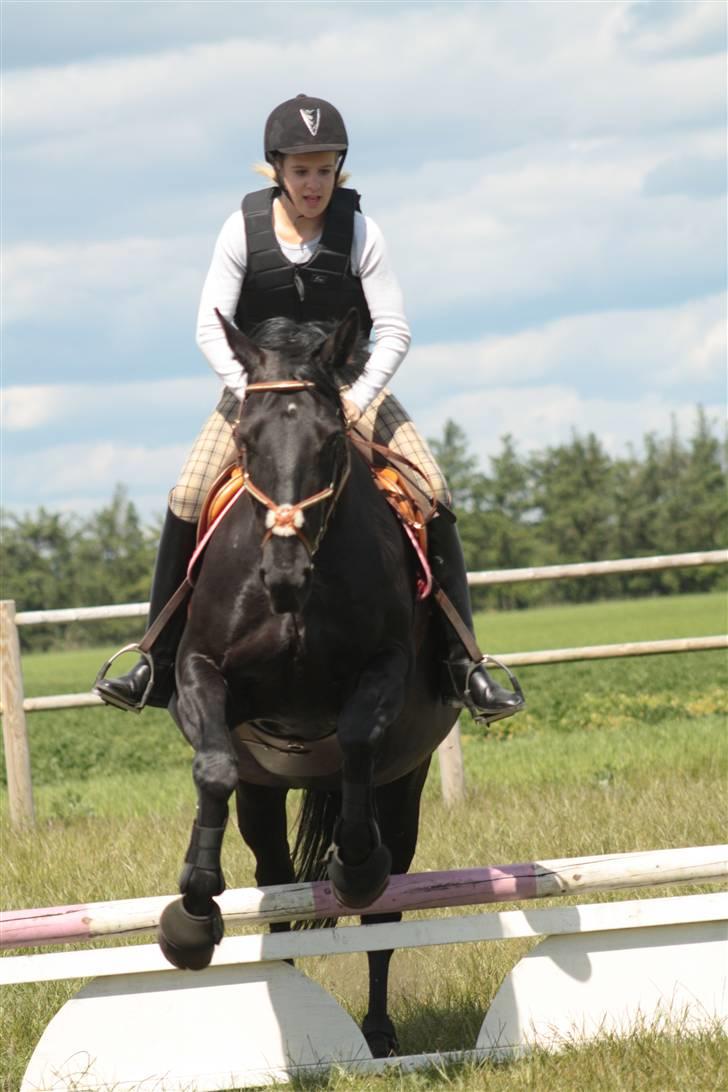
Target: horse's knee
{"x": 215, "y": 772}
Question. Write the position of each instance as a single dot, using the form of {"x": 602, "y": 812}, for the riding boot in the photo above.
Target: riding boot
{"x": 466, "y": 681}
{"x": 176, "y": 546}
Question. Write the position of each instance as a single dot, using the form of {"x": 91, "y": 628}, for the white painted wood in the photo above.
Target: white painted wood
{"x": 61, "y": 701}
{"x": 15, "y": 732}
{"x": 225, "y": 1028}
{"x": 82, "y": 614}
{"x": 260, "y": 947}
{"x": 598, "y": 568}
{"x": 573, "y": 988}
{"x": 452, "y": 767}
{"x": 610, "y": 652}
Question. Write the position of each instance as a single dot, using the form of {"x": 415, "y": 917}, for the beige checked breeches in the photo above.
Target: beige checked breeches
{"x": 385, "y": 422}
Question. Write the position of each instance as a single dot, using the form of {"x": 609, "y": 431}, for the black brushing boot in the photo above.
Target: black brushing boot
{"x": 176, "y": 546}
{"x": 466, "y": 680}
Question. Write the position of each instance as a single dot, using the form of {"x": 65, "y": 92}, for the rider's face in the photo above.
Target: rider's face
{"x": 309, "y": 179}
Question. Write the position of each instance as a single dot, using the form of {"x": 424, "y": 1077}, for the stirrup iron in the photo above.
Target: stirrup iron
{"x": 476, "y": 713}
{"x": 112, "y": 699}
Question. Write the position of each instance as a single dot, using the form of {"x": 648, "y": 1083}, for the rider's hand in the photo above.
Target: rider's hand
{"x": 352, "y": 413}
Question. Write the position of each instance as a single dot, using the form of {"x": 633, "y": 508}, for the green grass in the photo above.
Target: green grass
{"x": 611, "y": 757}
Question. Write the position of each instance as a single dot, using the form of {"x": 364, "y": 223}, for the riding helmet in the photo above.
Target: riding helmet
{"x": 305, "y": 124}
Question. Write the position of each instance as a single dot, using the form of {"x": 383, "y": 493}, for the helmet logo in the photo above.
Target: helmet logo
{"x": 311, "y": 119}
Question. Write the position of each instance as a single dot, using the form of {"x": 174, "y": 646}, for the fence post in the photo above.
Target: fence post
{"x": 452, "y": 770}
{"x": 15, "y": 733}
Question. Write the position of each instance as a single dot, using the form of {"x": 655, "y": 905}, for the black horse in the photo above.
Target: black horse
{"x": 307, "y": 660}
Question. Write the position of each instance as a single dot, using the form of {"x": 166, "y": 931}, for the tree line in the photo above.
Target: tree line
{"x": 566, "y": 503}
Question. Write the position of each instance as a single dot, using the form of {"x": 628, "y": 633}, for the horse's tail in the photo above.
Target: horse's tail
{"x": 314, "y": 835}
{"x": 316, "y": 819}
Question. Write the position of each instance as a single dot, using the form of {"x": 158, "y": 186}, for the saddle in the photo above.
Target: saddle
{"x": 226, "y": 486}
{"x": 405, "y": 501}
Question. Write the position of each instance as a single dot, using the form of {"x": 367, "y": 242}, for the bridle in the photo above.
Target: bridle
{"x": 287, "y": 519}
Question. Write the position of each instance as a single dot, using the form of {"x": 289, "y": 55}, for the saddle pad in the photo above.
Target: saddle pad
{"x": 221, "y": 492}
{"x": 402, "y": 500}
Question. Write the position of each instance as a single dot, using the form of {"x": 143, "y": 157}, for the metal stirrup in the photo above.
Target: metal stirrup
{"x": 475, "y": 711}
{"x": 109, "y": 698}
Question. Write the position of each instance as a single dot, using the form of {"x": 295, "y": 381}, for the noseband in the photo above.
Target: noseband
{"x": 287, "y": 519}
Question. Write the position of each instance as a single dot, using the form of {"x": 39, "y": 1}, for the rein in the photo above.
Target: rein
{"x": 287, "y": 519}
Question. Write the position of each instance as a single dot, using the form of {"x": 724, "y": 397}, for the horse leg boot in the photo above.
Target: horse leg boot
{"x": 176, "y": 546}
{"x": 466, "y": 681}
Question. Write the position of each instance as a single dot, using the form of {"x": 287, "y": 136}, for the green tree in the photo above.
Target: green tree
{"x": 36, "y": 567}
{"x": 573, "y": 494}
{"x": 506, "y": 522}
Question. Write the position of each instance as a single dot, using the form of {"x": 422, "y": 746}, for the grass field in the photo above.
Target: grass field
{"x": 610, "y": 757}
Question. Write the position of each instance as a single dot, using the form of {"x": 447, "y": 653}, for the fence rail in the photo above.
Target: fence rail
{"x": 15, "y": 705}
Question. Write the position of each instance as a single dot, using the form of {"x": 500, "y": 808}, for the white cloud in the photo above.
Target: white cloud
{"x": 127, "y": 279}
{"x": 32, "y": 407}
{"x": 92, "y": 469}
{"x": 656, "y": 349}
{"x": 553, "y": 69}
{"x": 678, "y": 28}
{"x": 550, "y": 222}
{"x": 541, "y": 416}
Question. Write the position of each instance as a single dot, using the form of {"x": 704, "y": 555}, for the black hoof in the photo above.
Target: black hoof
{"x": 381, "y": 1037}
{"x": 187, "y": 940}
{"x": 357, "y": 886}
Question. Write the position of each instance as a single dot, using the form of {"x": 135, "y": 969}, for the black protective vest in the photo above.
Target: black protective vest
{"x": 324, "y": 288}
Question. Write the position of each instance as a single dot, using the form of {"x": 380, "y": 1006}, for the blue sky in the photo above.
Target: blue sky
{"x": 550, "y": 178}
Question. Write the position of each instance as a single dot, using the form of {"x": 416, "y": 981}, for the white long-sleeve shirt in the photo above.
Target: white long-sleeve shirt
{"x": 369, "y": 261}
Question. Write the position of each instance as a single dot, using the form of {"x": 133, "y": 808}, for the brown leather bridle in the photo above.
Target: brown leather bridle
{"x": 287, "y": 519}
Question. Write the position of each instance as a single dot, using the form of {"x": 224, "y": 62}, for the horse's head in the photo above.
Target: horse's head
{"x": 291, "y": 438}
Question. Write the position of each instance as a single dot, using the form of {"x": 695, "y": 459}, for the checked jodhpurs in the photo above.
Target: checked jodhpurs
{"x": 385, "y": 422}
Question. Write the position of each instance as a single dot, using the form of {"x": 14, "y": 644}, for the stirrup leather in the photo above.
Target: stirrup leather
{"x": 464, "y": 696}
{"x": 112, "y": 699}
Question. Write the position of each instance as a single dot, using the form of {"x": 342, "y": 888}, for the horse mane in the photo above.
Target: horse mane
{"x": 297, "y": 343}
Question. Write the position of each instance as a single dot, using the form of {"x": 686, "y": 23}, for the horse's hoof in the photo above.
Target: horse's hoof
{"x": 357, "y": 886}
{"x": 381, "y": 1037}
{"x": 187, "y": 940}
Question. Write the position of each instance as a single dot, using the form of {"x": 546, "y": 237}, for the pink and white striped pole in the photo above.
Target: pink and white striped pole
{"x": 418, "y": 891}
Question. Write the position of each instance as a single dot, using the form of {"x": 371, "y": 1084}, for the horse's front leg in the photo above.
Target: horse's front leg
{"x": 191, "y": 926}
{"x": 359, "y": 864}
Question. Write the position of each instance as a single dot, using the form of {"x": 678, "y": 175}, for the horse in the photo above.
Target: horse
{"x": 307, "y": 660}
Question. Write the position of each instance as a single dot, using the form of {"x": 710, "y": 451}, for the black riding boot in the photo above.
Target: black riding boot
{"x": 176, "y": 546}
{"x": 466, "y": 682}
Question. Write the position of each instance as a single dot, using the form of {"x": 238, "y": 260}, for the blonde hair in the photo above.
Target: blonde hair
{"x": 267, "y": 171}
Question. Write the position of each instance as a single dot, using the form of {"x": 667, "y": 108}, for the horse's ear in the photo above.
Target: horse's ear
{"x": 243, "y": 349}
{"x": 338, "y": 346}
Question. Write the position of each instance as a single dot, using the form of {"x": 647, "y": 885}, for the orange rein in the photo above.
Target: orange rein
{"x": 287, "y": 519}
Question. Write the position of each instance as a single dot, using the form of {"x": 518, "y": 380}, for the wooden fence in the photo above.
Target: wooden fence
{"x": 15, "y": 705}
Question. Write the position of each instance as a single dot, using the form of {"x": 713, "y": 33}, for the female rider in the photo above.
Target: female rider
{"x": 302, "y": 250}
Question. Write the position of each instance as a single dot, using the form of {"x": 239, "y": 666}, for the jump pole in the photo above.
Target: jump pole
{"x": 416, "y": 891}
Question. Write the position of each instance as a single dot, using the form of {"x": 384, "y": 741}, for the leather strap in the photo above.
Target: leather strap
{"x": 388, "y": 453}
{"x": 468, "y": 640}
{"x": 178, "y": 598}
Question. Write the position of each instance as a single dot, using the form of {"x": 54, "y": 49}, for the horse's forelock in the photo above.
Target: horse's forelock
{"x": 295, "y": 345}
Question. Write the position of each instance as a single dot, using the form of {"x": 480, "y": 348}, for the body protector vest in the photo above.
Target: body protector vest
{"x": 321, "y": 289}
